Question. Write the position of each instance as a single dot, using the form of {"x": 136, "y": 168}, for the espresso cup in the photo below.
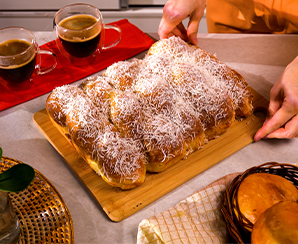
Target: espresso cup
{"x": 80, "y": 33}
{"x": 20, "y": 55}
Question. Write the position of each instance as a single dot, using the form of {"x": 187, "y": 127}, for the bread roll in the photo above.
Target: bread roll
{"x": 123, "y": 74}
{"x": 155, "y": 95}
{"x": 190, "y": 124}
{"x": 57, "y": 103}
{"x": 226, "y": 79}
{"x": 146, "y": 115}
{"x": 172, "y": 129}
{"x": 216, "y": 110}
{"x": 118, "y": 160}
{"x": 157, "y": 66}
{"x": 98, "y": 90}
{"x": 127, "y": 115}
{"x": 259, "y": 191}
{"x": 277, "y": 225}
{"x": 173, "y": 46}
{"x": 164, "y": 142}
{"x": 221, "y": 76}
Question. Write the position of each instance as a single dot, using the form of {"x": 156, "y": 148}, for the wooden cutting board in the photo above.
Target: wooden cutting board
{"x": 119, "y": 204}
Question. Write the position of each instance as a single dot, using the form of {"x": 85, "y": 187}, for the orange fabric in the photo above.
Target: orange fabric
{"x": 252, "y": 16}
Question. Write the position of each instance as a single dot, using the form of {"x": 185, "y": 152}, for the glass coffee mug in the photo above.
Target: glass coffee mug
{"x": 9, "y": 223}
{"x": 80, "y": 33}
{"x": 20, "y": 55}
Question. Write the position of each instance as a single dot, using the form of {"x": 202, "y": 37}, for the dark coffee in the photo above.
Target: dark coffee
{"x": 13, "y": 47}
{"x": 16, "y": 73}
{"x": 82, "y": 45}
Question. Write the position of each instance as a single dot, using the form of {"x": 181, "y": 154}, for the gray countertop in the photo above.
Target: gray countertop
{"x": 259, "y": 58}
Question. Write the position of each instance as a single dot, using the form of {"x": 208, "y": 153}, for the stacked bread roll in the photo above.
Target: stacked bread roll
{"x": 277, "y": 225}
{"x": 145, "y": 115}
{"x": 270, "y": 203}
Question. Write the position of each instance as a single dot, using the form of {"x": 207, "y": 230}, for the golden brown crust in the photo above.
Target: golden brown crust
{"x": 163, "y": 140}
{"x": 260, "y": 191}
{"x": 222, "y": 76}
{"x": 277, "y": 225}
{"x": 119, "y": 161}
{"x": 56, "y": 104}
{"x": 174, "y": 46}
{"x": 132, "y": 169}
{"x": 98, "y": 90}
{"x": 216, "y": 110}
{"x": 154, "y": 94}
{"x": 149, "y": 113}
{"x": 191, "y": 125}
{"x": 167, "y": 143}
{"x": 123, "y": 74}
{"x": 126, "y": 114}
{"x": 235, "y": 83}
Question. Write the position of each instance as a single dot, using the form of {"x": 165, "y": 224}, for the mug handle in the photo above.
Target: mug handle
{"x": 115, "y": 42}
{"x": 42, "y": 71}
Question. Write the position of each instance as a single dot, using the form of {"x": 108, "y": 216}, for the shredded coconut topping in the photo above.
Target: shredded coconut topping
{"x": 98, "y": 90}
{"x": 155, "y": 107}
{"x": 87, "y": 124}
{"x": 123, "y": 73}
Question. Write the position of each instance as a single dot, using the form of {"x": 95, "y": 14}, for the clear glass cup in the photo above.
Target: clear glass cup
{"x": 9, "y": 223}
{"x": 20, "y": 56}
{"x": 80, "y": 33}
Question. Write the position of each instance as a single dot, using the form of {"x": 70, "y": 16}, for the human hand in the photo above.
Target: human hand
{"x": 174, "y": 12}
{"x": 282, "y": 117}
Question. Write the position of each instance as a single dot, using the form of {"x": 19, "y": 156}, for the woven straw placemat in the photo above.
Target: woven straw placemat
{"x": 43, "y": 215}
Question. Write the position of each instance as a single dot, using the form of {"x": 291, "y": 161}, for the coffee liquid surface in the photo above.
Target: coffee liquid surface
{"x": 13, "y": 47}
{"x": 78, "y": 22}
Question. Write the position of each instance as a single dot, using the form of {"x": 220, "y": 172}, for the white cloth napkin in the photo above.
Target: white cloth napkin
{"x": 196, "y": 219}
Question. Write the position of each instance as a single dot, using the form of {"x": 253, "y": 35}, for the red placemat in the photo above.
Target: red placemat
{"x": 133, "y": 41}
